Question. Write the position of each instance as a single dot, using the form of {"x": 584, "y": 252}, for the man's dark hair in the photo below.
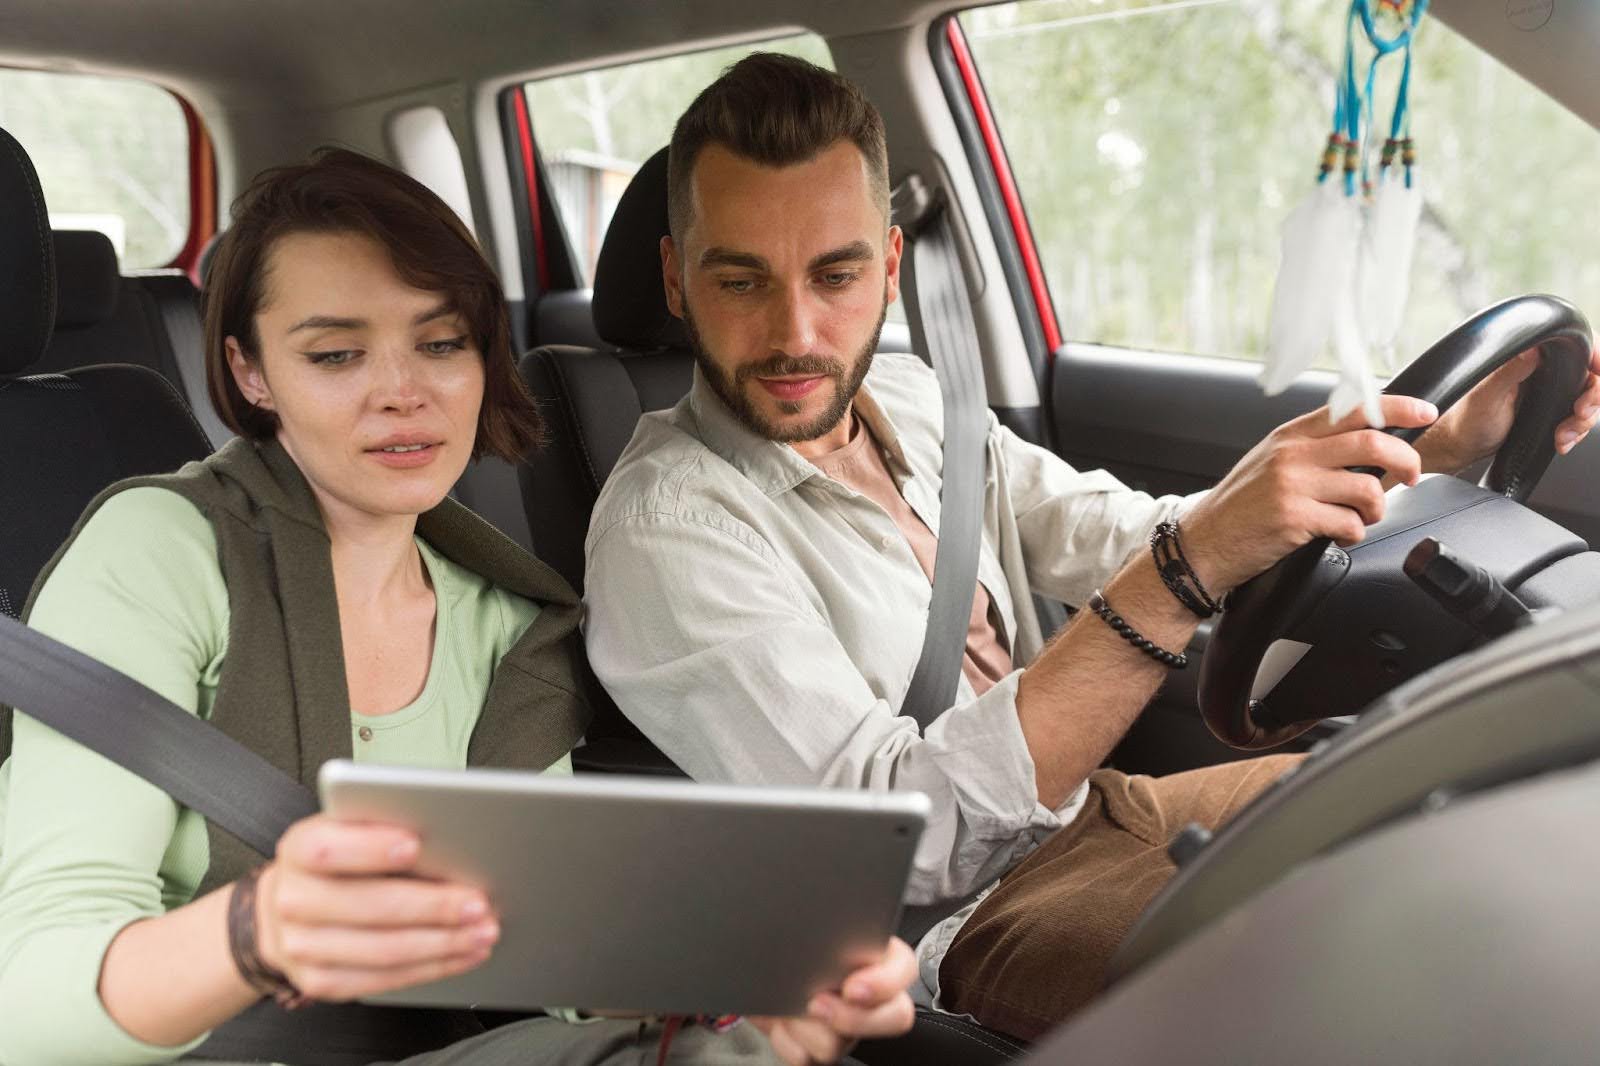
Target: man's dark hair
{"x": 340, "y": 191}
{"x": 775, "y": 110}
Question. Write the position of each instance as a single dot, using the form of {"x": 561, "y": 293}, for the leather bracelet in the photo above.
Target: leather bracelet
{"x": 1166, "y": 548}
{"x": 1171, "y": 660}
{"x": 246, "y": 954}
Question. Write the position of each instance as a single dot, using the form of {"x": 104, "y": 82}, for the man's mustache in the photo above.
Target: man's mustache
{"x": 780, "y": 366}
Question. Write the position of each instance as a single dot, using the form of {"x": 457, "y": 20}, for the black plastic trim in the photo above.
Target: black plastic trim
{"x": 1026, "y": 422}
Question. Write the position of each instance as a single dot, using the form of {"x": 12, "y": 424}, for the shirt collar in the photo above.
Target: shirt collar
{"x": 775, "y": 468}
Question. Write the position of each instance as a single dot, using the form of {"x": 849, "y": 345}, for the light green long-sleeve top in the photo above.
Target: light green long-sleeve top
{"x": 87, "y": 847}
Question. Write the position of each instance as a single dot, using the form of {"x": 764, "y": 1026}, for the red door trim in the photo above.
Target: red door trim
{"x": 202, "y": 193}
{"x": 541, "y": 255}
{"x": 1008, "y": 185}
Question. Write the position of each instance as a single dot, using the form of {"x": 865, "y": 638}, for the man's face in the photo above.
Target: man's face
{"x": 783, "y": 280}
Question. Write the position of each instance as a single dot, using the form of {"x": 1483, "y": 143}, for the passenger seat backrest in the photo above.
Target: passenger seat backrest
{"x": 150, "y": 319}
{"x": 63, "y": 437}
{"x": 592, "y": 399}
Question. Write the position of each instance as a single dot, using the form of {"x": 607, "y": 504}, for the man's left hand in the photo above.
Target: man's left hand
{"x": 1476, "y": 426}
{"x": 872, "y": 1003}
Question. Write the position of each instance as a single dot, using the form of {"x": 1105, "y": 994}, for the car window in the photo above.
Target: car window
{"x": 112, "y": 155}
{"x": 594, "y": 128}
{"x": 1159, "y": 146}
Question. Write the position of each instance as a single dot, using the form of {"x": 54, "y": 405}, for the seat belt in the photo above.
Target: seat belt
{"x": 186, "y": 344}
{"x": 208, "y": 771}
{"x": 939, "y": 292}
{"x": 147, "y": 734}
{"x": 939, "y": 295}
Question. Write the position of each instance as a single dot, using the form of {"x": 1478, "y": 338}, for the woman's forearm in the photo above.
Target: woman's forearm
{"x": 167, "y": 980}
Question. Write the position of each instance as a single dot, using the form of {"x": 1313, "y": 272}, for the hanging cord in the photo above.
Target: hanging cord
{"x": 1400, "y": 126}
{"x": 1353, "y": 104}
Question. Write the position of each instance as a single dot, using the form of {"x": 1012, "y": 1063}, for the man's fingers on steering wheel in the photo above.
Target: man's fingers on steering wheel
{"x": 1335, "y": 521}
{"x": 1399, "y": 412}
{"x": 1372, "y": 447}
{"x": 1351, "y": 490}
{"x": 1585, "y": 410}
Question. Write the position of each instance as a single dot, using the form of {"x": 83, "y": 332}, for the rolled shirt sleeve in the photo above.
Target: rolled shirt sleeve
{"x": 1075, "y": 528}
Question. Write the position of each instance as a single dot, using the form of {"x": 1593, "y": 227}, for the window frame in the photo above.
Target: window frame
{"x": 203, "y": 209}
{"x": 202, "y": 171}
{"x": 1003, "y": 207}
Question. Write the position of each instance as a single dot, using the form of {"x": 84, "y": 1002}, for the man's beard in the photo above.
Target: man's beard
{"x": 846, "y": 381}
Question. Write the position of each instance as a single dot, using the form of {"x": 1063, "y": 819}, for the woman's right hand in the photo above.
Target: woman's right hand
{"x": 340, "y": 913}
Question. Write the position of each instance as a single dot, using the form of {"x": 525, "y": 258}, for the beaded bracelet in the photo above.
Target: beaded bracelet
{"x": 1166, "y": 548}
{"x": 247, "y": 959}
{"x": 1171, "y": 660}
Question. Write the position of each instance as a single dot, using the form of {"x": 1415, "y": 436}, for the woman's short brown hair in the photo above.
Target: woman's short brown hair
{"x": 340, "y": 191}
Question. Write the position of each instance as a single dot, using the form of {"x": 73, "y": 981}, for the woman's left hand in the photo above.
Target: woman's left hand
{"x": 872, "y": 1003}
{"x": 1476, "y": 427}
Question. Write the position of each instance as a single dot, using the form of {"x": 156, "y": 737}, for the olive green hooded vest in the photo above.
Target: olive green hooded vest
{"x": 282, "y": 690}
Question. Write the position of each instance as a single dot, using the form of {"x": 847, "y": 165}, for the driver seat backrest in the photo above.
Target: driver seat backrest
{"x": 66, "y": 436}
{"x": 592, "y": 399}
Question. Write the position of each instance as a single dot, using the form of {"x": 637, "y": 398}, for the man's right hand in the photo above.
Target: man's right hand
{"x": 1295, "y": 486}
{"x": 339, "y": 914}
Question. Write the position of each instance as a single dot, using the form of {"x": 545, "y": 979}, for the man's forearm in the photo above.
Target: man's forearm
{"x": 1084, "y": 691}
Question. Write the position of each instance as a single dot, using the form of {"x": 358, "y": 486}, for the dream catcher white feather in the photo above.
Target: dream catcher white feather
{"x": 1345, "y": 271}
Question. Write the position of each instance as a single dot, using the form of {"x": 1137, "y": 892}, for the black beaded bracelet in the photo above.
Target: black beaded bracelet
{"x": 1171, "y": 660}
{"x": 1166, "y": 548}
{"x": 261, "y": 978}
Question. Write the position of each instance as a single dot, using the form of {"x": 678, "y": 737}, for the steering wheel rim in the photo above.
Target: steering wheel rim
{"x": 1442, "y": 375}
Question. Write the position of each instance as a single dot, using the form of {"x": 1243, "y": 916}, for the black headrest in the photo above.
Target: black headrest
{"x": 87, "y": 277}
{"x": 630, "y": 307}
{"x": 27, "y": 262}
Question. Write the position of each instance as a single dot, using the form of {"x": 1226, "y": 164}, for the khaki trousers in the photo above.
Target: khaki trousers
{"x": 1037, "y": 947}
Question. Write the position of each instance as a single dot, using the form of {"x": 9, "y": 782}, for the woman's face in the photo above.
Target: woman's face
{"x": 376, "y": 385}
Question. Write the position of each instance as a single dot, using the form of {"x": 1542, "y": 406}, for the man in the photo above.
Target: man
{"x": 759, "y": 562}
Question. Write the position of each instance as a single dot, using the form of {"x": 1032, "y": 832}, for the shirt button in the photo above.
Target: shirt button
{"x": 887, "y": 542}
{"x": 365, "y": 732}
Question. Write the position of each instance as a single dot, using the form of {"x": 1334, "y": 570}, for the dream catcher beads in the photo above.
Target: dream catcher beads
{"x": 1347, "y": 248}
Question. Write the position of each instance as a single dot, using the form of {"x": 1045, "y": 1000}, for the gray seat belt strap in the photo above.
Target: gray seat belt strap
{"x": 175, "y": 301}
{"x": 143, "y": 732}
{"x": 940, "y": 291}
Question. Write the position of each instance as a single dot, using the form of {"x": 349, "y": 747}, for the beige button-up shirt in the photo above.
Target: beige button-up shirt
{"x": 760, "y": 621}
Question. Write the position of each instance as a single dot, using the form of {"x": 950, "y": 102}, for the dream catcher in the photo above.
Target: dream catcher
{"x": 1347, "y": 248}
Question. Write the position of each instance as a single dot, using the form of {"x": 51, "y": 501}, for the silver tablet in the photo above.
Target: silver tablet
{"x": 641, "y": 894}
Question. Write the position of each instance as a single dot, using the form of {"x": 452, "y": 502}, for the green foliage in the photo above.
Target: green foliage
{"x": 1159, "y": 149}
{"x": 106, "y": 146}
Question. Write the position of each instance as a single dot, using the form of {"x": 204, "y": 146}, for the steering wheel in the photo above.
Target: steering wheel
{"x": 1249, "y": 695}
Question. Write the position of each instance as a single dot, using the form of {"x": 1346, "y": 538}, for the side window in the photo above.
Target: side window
{"x": 595, "y": 128}
{"x": 1159, "y": 146}
{"x": 112, "y": 155}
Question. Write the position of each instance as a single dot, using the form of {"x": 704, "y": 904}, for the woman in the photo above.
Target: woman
{"x": 312, "y": 592}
